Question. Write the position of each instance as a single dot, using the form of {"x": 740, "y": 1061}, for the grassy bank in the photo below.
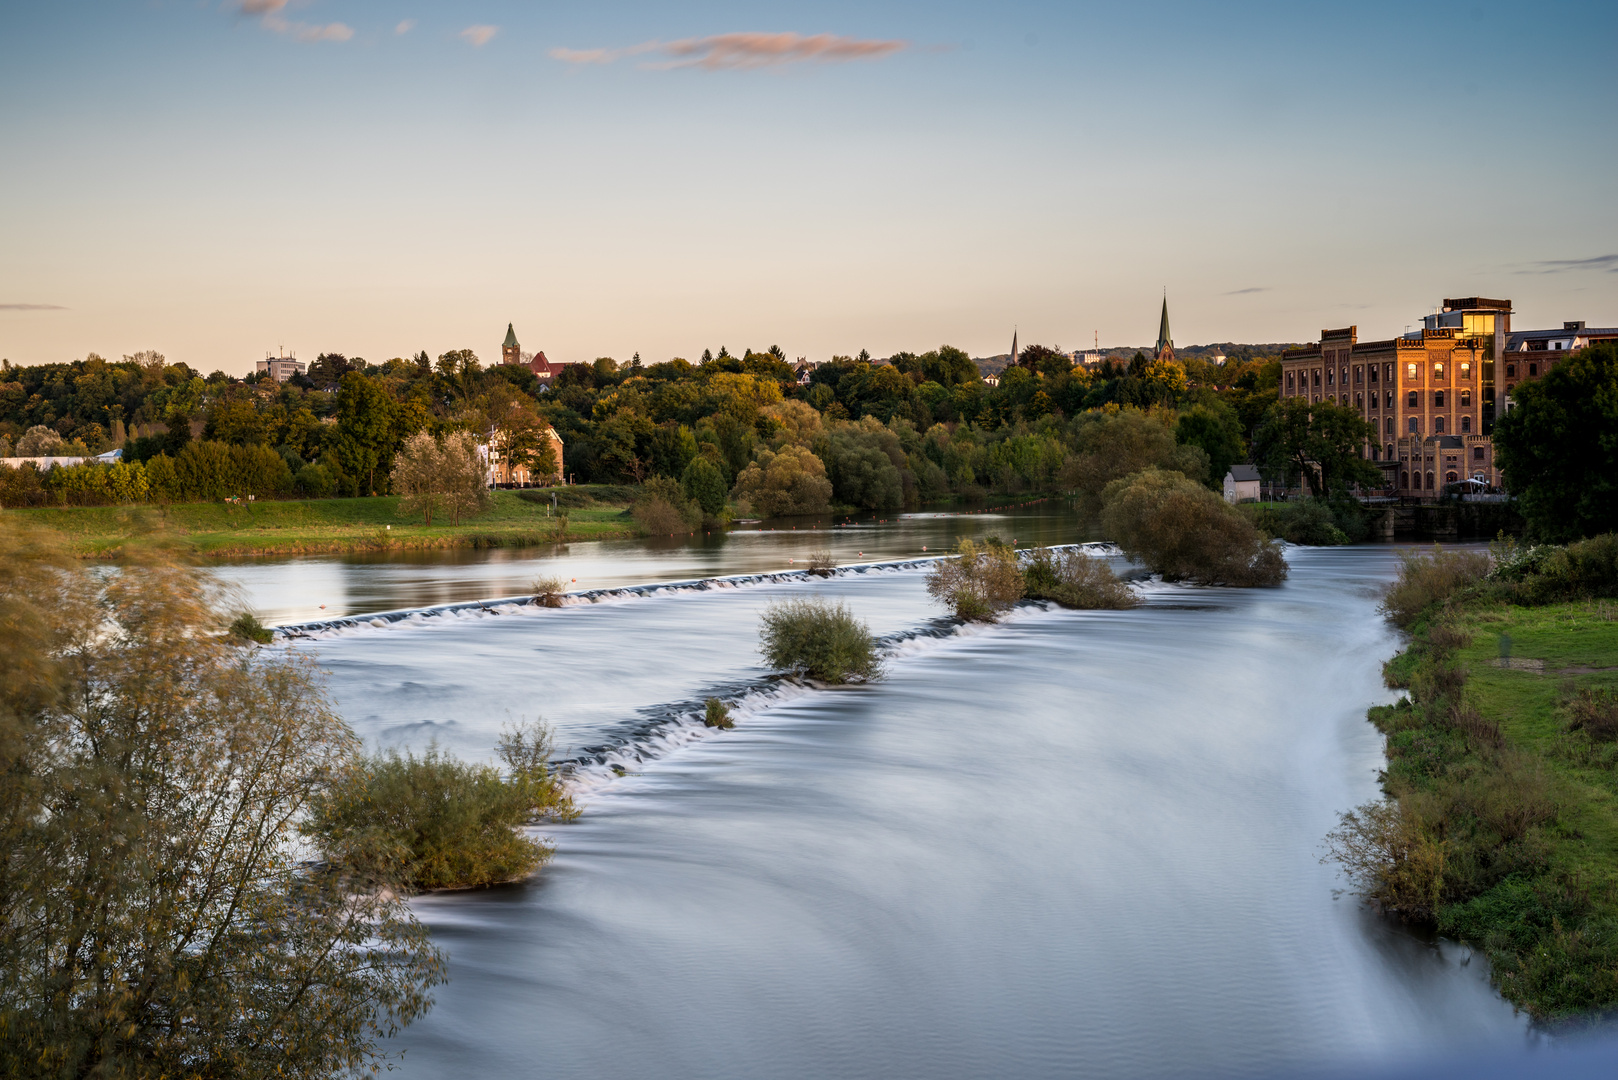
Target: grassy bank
{"x": 1501, "y": 827}
{"x": 314, "y": 526}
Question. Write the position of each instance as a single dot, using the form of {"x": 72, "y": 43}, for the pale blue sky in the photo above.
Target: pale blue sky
{"x": 202, "y": 180}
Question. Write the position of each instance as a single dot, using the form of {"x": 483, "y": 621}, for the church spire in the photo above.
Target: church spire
{"x": 510, "y": 353}
{"x": 1013, "y": 362}
{"x": 1165, "y": 342}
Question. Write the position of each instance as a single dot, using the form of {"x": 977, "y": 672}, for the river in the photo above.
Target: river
{"x": 1073, "y": 843}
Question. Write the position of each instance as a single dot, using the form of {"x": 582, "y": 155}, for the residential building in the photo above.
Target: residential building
{"x": 1242, "y": 484}
{"x": 280, "y": 368}
{"x": 504, "y": 474}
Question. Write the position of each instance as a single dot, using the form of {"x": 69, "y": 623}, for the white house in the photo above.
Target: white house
{"x": 1241, "y": 484}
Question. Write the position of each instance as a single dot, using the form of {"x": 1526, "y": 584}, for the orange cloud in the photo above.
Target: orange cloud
{"x": 479, "y": 35}
{"x": 743, "y": 50}
{"x": 270, "y": 18}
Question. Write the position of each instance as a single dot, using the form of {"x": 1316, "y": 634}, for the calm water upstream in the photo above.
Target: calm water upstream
{"x": 1075, "y": 843}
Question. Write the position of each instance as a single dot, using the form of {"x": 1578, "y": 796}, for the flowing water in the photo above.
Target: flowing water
{"x": 1073, "y": 843}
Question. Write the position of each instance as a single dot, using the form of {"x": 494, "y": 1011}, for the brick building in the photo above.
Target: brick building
{"x": 1433, "y": 394}
{"x": 511, "y": 353}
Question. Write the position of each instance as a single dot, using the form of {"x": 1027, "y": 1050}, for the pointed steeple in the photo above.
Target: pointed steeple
{"x": 1013, "y": 360}
{"x": 1165, "y": 342}
{"x": 510, "y": 352}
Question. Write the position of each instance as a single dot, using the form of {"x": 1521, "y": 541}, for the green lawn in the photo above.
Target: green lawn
{"x": 276, "y": 527}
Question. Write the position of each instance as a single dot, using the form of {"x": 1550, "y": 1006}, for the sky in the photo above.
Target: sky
{"x": 220, "y": 180}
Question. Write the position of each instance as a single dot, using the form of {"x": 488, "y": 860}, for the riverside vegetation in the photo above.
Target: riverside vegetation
{"x": 161, "y": 781}
{"x": 818, "y": 640}
{"x": 1500, "y": 821}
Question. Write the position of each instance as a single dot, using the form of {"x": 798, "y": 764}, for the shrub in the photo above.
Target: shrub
{"x": 1425, "y": 580}
{"x": 1586, "y": 569}
{"x": 549, "y": 591}
{"x": 248, "y": 628}
{"x": 1389, "y": 858}
{"x": 978, "y": 583}
{"x": 314, "y": 482}
{"x": 440, "y": 823}
{"x": 1074, "y": 579}
{"x": 21, "y": 486}
{"x": 1310, "y": 521}
{"x": 1180, "y": 529}
{"x": 663, "y": 509}
{"x": 716, "y": 715}
{"x": 1595, "y": 712}
{"x": 821, "y": 564}
{"x": 818, "y": 639}
{"x": 704, "y": 482}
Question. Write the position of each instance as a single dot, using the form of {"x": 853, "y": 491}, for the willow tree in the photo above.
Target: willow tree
{"x": 159, "y": 918}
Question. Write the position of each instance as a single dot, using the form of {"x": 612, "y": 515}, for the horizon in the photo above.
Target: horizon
{"x": 214, "y": 182}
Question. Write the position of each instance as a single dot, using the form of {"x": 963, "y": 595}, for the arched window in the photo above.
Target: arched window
{"x": 1466, "y": 371}
{"x": 1331, "y": 373}
{"x": 1404, "y": 480}
{"x": 1359, "y": 375}
{"x": 1376, "y": 453}
{"x": 1410, "y": 372}
{"x": 1429, "y": 481}
{"x": 1390, "y": 399}
{"x": 1413, "y": 399}
{"x": 1359, "y": 401}
{"x": 1511, "y": 371}
{"x": 1389, "y": 448}
{"x": 1438, "y": 399}
{"x": 1370, "y": 374}
{"x": 1317, "y": 376}
{"x": 1438, "y": 372}
{"x": 1389, "y": 425}
{"x": 1415, "y": 425}
{"x": 1450, "y": 478}
{"x": 1466, "y": 425}
{"x": 1289, "y": 382}
{"x": 1438, "y": 425}
{"x": 1466, "y": 399}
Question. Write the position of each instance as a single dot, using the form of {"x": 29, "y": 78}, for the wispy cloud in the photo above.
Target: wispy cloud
{"x": 405, "y": 26}
{"x": 1609, "y": 263}
{"x": 479, "y": 35}
{"x": 1249, "y": 289}
{"x": 269, "y": 16}
{"x": 721, "y": 52}
{"x": 32, "y": 307}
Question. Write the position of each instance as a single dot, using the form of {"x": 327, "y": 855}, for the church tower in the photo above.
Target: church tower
{"x": 1165, "y": 343}
{"x": 1013, "y": 361}
{"x": 511, "y": 354}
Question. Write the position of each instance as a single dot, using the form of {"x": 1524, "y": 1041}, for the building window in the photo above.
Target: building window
{"x": 1390, "y": 399}
{"x": 1511, "y": 371}
{"x": 1438, "y": 425}
{"x": 1438, "y": 372}
{"x": 1345, "y": 377}
{"x": 1404, "y": 480}
{"x": 1389, "y": 425}
{"x": 1330, "y": 374}
{"x": 1359, "y": 401}
{"x": 1450, "y": 478}
{"x": 1466, "y": 399}
{"x": 1389, "y": 448}
{"x": 1466, "y": 371}
{"x": 1289, "y": 382}
{"x": 1410, "y": 372}
{"x": 1376, "y": 453}
{"x": 1317, "y": 399}
{"x": 1466, "y": 425}
{"x": 1412, "y": 400}
{"x": 1390, "y": 373}
{"x": 1438, "y": 399}
{"x": 1415, "y": 425}
{"x": 1317, "y": 378}
{"x": 1429, "y": 481}
{"x": 1477, "y": 453}
{"x": 1370, "y": 374}
{"x": 1533, "y": 369}
{"x": 1359, "y": 375}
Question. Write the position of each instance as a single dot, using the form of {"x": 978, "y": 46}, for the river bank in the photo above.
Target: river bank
{"x": 1502, "y": 825}
{"x": 323, "y": 526}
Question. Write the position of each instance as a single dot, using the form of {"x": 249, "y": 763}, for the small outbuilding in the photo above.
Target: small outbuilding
{"x": 1241, "y": 484}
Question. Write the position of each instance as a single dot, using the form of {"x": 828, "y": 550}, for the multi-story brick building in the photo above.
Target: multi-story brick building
{"x": 1433, "y": 394}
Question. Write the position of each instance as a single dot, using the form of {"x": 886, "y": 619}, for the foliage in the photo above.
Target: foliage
{"x": 1321, "y": 442}
{"x": 448, "y": 477}
{"x": 818, "y": 639}
{"x": 716, "y": 715}
{"x": 550, "y": 591}
{"x": 1180, "y": 529}
{"x": 247, "y": 627}
{"x": 1425, "y": 580}
{"x": 663, "y": 509}
{"x": 368, "y": 428}
{"x": 1558, "y": 446}
{"x": 863, "y": 462}
{"x": 703, "y": 482}
{"x": 1216, "y": 430}
{"x": 978, "y": 582}
{"x": 1116, "y": 443}
{"x": 1075, "y": 579}
{"x": 159, "y": 921}
{"x": 1309, "y": 521}
{"x": 791, "y": 481}
{"x": 821, "y": 563}
{"x": 435, "y": 822}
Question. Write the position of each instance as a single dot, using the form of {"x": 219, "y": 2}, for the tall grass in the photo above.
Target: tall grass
{"x": 818, "y": 639}
{"x": 1425, "y": 580}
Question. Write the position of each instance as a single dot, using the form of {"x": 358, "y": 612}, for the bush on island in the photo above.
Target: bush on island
{"x": 549, "y": 591}
{"x": 1074, "y": 579}
{"x": 818, "y": 639}
{"x": 978, "y": 582}
{"x": 1180, "y": 529}
{"x": 716, "y": 715}
{"x": 435, "y": 822}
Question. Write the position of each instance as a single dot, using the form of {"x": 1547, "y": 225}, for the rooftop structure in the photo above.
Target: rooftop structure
{"x": 1165, "y": 342}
